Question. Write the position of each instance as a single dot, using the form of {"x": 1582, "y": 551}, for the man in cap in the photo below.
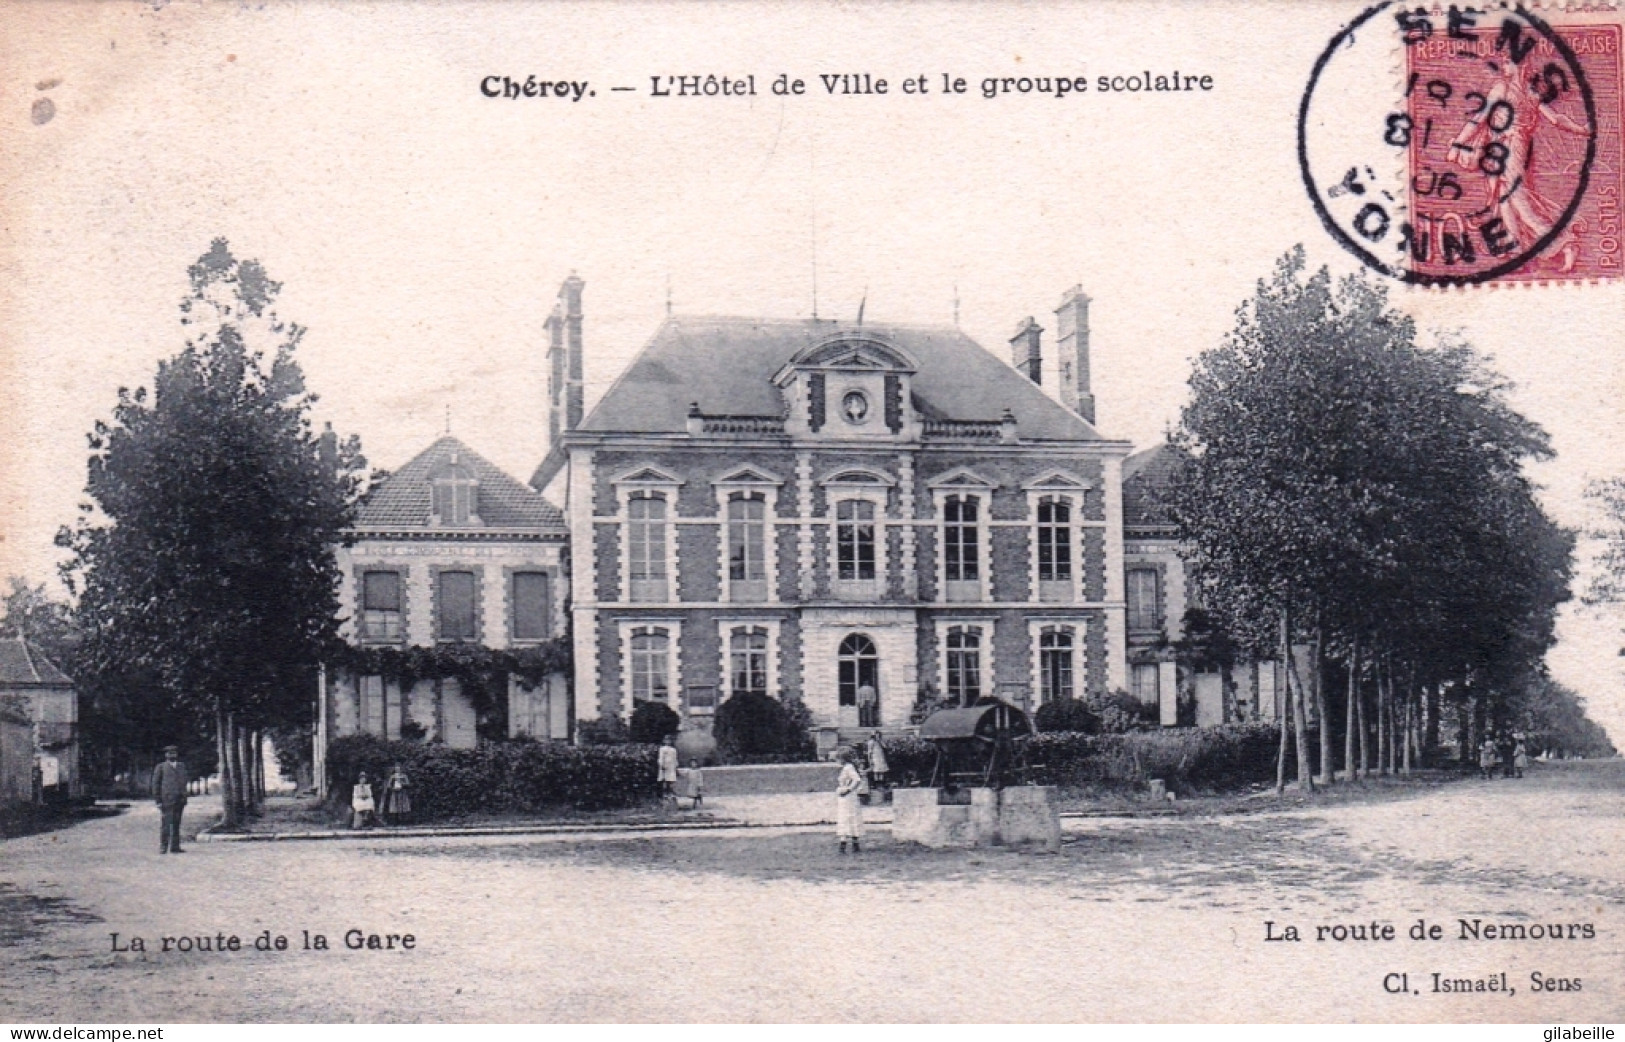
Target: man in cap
{"x": 169, "y": 789}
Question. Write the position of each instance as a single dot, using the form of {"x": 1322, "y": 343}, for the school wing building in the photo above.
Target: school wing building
{"x": 855, "y": 515}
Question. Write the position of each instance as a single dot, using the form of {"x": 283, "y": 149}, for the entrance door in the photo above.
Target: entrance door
{"x": 859, "y": 681}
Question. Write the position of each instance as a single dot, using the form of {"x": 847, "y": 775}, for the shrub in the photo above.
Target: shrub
{"x": 606, "y": 730}
{"x": 652, "y": 722}
{"x": 750, "y": 726}
{"x": 1120, "y": 712}
{"x": 910, "y": 760}
{"x": 1066, "y": 714}
{"x": 1209, "y": 759}
{"x": 521, "y": 776}
{"x": 1189, "y": 760}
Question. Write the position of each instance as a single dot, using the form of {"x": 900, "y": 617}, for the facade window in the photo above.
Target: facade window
{"x": 1147, "y": 683}
{"x": 960, "y": 551}
{"x": 457, "y": 606}
{"x": 854, "y": 539}
{"x": 858, "y": 679}
{"x": 1055, "y": 658}
{"x": 646, "y": 546}
{"x": 651, "y": 665}
{"x": 1144, "y": 596}
{"x": 381, "y": 606}
{"x": 747, "y": 660}
{"x": 964, "y": 664}
{"x": 747, "y": 546}
{"x": 1054, "y": 540}
{"x": 532, "y": 606}
{"x": 456, "y": 493}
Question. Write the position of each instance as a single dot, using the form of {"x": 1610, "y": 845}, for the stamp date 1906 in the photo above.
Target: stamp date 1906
{"x": 1497, "y": 158}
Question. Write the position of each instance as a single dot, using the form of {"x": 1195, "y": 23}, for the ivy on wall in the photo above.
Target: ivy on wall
{"x": 475, "y": 665}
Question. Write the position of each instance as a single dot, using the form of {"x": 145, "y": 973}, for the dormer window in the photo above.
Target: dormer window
{"x": 455, "y": 501}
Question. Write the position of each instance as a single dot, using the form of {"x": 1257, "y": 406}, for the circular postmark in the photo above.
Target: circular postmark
{"x": 1449, "y": 148}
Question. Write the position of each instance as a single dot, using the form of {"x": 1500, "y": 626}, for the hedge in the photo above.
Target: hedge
{"x": 1188, "y": 759}
{"x": 522, "y": 776}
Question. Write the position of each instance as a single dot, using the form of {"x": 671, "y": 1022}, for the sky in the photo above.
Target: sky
{"x": 421, "y": 229}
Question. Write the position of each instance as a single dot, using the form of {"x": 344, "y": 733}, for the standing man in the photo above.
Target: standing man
{"x": 169, "y": 789}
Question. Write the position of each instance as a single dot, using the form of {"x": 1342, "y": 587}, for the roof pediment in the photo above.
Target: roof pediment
{"x": 858, "y": 476}
{"x": 1058, "y": 480}
{"x": 749, "y": 476}
{"x": 961, "y": 477}
{"x": 647, "y": 475}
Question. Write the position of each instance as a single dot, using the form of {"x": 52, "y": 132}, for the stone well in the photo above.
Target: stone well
{"x": 1018, "y": 815}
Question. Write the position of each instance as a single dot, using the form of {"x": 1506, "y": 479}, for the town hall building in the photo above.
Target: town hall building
{"x": 859, "y": 516}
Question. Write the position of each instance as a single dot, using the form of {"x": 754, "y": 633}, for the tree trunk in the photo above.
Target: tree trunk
{"x": 222, "y": 739}
{"x": 232, "y": 778}
{"x": 1317, "y": 668}
{"x": 1300, "y": 725}
{"x": 1408, "y": 732}
{"x": 1359, "y": 705}
{"x": 1280, "y": 754}
{"x": 1354, "y": 697}
{"x": 1430, "y": 733}
{"x": 1382, "y": 716}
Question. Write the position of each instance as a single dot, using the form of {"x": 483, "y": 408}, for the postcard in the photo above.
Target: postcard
{"x": 741, "y": 512}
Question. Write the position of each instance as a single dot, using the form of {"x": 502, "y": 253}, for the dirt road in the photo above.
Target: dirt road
{"x": 1146, "y": 920}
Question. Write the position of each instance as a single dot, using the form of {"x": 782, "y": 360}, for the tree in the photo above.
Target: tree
{"x": 31, "y": 612}
{"x": 204, "y": 562}
{"x": 1343, "y": 486}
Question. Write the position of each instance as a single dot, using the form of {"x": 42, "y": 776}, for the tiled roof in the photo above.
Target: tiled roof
{"x": 726, "y": 365}
{"x": 404, "y": 499}
{"x": 22, "y": 664}
{"x": 1146, "y": 477}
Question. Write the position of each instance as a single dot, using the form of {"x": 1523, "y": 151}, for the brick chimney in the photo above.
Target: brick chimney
{"x": 1026, "y": 351}
{"x": 1072, "y": 353}
{"x": 566, "y": 397}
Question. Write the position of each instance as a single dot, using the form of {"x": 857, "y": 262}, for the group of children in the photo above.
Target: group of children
{"x": 394, "y": 808}
{"x": 1489, "y": 758}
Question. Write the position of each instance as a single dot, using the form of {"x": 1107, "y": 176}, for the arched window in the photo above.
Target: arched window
{"x": 646, "y": 545}
{"x": 747, "y": 659}
{"x": 1055, "y": 650}
{"x": 964, "y": 664}
{"x": 859, "y": 665}
{"x": 651, "y": 665}
{"x": 854, "y": 539}
{"x": 961, "y": 555}
{"x": 456, "y": 493}
{"x": 747, "y": 546}
{"x": 1054, "y": 540}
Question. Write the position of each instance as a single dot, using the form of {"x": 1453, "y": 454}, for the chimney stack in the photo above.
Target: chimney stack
{"x": 1072, "y": 353}
{"x": 566, "y": 397}
{"x": 1026, "y": 351}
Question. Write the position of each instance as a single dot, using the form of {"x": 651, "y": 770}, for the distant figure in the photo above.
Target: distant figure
{"x": 696, "y": 783}
{"x": 1520, "y": 759}
{"x": 878, "y": 768}
{"x": 666, "y": 768}
{"x": 868, "y": 706}
{"x": 397, "y": 805}
{"x": 362, "y": 808}
{"x": 848, "y": 811}
{"x": 169, "y": 790}
{"x": 1488, "y": 757}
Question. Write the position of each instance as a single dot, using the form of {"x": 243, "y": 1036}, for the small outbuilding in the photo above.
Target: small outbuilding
{"x": 36, "y": 687}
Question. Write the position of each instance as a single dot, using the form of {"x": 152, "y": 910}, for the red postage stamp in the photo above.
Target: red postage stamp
{"x": 1514, "y": 153}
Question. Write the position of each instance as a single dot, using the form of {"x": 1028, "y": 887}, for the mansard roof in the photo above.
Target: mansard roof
{"x": 1147, "y": 476}
{"x": 404, "y": 499}
{"x": 727, "y": 365}
{"x": 22, "y": 664}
